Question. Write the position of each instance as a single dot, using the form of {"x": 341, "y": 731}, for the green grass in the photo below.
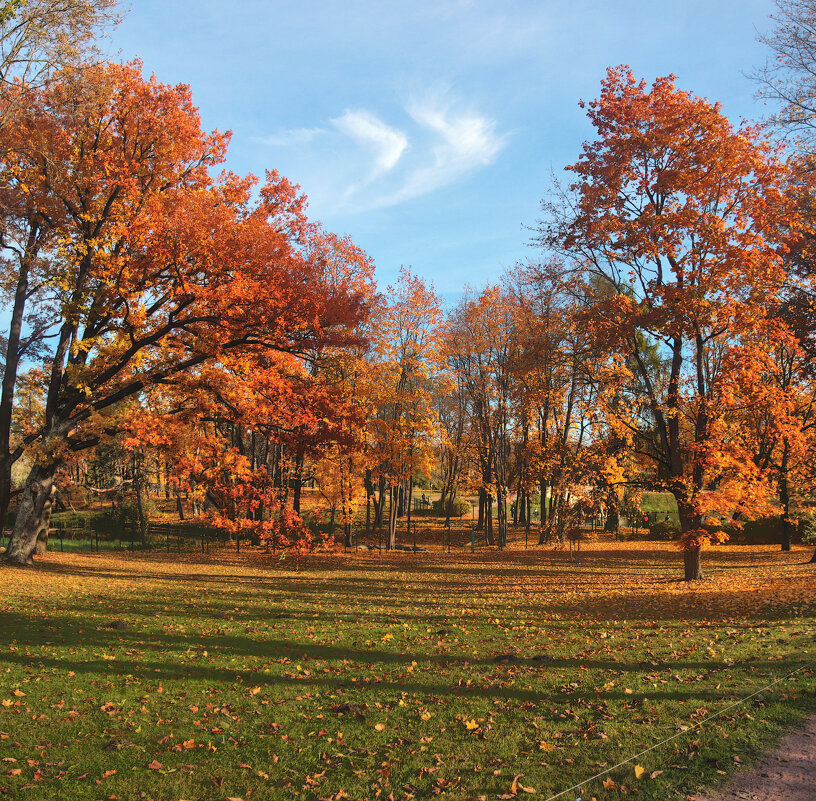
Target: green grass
{"x": 360, "y": 676}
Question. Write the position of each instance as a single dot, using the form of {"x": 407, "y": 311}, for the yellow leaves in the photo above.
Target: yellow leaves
{"x": 640, "y": 772}
{"x": 19, "y": 693}
{"x": 379, "y": 727}
{"x": 516, "y": 785}
{"x": 425, "y": 715}
{"x": 610, "y": 784}
{"x": 470, "y": 725}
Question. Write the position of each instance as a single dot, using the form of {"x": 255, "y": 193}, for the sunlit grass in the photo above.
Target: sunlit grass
{"x": 243, "y": 676}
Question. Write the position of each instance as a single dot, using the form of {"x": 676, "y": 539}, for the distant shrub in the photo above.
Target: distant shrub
{"x": 664, "y": 530}
{"x": 458, "y": 507}
{"x": 807, "y": 528}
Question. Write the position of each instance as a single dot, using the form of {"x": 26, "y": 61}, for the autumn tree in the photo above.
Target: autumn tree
{"x": 788, "y": 77}
{"x": 678, "y": 214}
{"x": 404, "y": 353}
{"x": 40, "y": 37}
{"x": 140, "y": 265}
{"x": 562, "y": 443}
{"x": 481, "y": 349}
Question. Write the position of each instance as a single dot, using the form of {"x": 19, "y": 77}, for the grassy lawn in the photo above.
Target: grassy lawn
{"x": 159, "y": 676}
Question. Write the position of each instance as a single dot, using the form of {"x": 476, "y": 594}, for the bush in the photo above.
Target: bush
{"x": 807, "y": 528}
{"x": 458, "y": 507}
{"x": 665, "y": 530}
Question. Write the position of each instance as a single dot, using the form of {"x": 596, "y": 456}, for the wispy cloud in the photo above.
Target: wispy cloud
{"x": 367, "y": 163}
{"x": 462, "y": 141}
{"x": 387, "y": 143}
{"x": 292, "y": 136}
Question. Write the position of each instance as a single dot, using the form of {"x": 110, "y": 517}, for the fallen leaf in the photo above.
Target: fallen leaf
{"x": 610, "y": 784}
{"x": 379, "y": 726}
{"x": 640, "y": 771}
{"x": 155, "y": 765}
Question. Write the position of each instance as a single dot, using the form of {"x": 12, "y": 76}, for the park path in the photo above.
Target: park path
{"x": 787, "y": 773}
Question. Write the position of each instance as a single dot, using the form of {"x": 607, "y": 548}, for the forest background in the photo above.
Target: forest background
{"x": 183, "y": 331}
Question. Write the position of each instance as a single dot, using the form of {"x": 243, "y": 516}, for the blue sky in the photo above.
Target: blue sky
{"x": 428, "y": 130}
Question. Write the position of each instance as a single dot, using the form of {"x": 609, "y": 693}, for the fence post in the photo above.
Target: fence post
{"x": 473, "y": 538}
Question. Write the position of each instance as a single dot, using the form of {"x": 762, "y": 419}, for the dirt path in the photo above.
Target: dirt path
{"x": 788, "y": 773}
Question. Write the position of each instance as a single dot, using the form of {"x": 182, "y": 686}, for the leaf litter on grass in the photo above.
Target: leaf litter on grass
{"x": 411, "y": 675}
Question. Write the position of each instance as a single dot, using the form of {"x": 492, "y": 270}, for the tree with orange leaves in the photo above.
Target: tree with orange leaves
{"x": 679, "y": 216}
{"x": 142, "y": 265}
{"x": 401, "y": 434}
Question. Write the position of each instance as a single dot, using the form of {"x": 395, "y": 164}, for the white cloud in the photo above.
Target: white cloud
{"x": 463, "y": 141}
{"x": 362, "y": 162}
{"x": 387, "y": 143}
{"x": 292, "y": 136}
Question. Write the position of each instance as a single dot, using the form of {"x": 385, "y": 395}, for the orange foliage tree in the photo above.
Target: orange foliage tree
{"x": 402, "y": 432}
{"x": 151, "y": 268}
{"x": 679, "y": 216}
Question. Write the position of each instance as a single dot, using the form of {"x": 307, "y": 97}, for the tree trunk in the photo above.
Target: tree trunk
{"x": 10, "y": 369}
{"x": 489, "y": 520}
{"x": 784, "y": 499}
{"x": 542, "y": 503}
{"x": 138, "y": 482}
{"x": 34, "y": 515}
{"x": 691, "y": 564}
{"x": 298, "y": 483}
{"x": 393, "y": 509}
{"x": 410, "y": 499}
{"x": 368, "y": 503}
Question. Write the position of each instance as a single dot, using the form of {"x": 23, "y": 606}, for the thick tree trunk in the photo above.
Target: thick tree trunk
{"x": 612, "y": 512}
{"x": 34, "y": 515}
{"x": 691, "y": 564}
{"x": 501, "y": 516}
{"x": 690, "y": 520}
{"x": 10, "y": 369}
{"x": 480, "y": 524}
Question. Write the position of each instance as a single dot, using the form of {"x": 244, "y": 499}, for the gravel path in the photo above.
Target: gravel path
{"x": 788, "y": 773}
